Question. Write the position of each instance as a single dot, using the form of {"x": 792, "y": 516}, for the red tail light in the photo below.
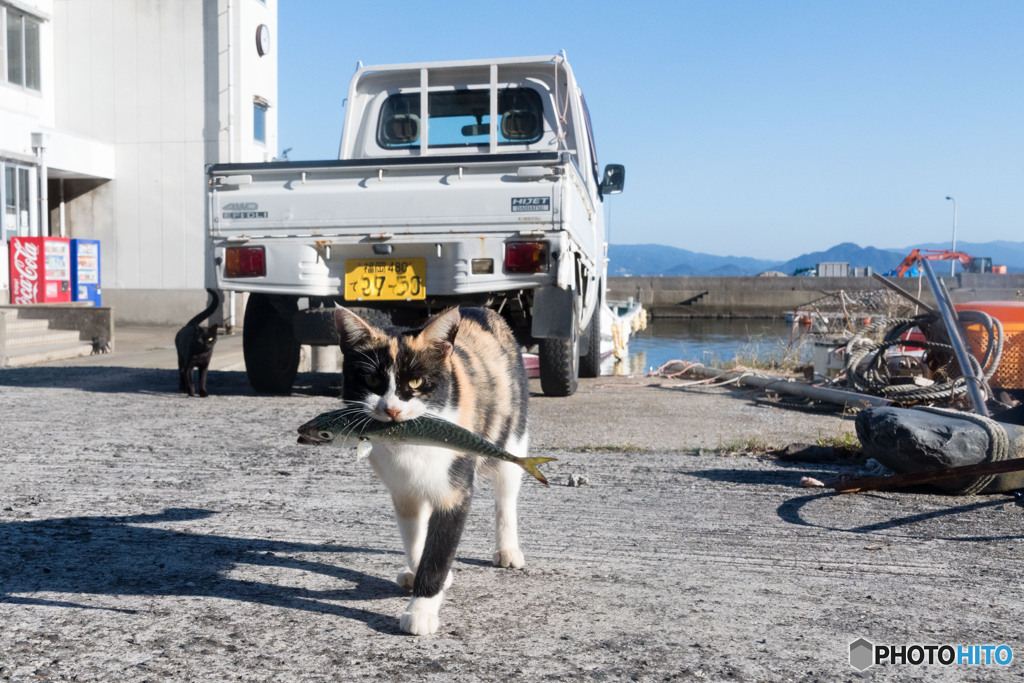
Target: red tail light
{"x": 526, "y": 257}
{"x": 245, "y": 262}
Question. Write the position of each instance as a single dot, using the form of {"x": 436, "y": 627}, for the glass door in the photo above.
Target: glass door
{"x": 17, "y": 202}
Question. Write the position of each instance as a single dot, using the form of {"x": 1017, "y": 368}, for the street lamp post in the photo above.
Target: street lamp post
{"x": 952, "y": 264}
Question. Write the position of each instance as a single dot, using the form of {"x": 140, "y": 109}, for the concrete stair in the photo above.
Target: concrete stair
{"x": 28, "y": 341}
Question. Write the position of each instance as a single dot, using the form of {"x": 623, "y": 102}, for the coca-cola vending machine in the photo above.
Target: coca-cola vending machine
{"x": 40, "y": 270}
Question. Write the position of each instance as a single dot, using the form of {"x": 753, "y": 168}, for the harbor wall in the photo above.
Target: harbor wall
{"x": 769, "y": 297}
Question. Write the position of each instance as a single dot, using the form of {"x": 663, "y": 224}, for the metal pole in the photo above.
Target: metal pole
{"x": 783, "y": 385}
{"x": 39, "y": 142}
{"x": 230, "y": 129}
{"x": 952, "y": 264}
{"x": 956, "y": 338}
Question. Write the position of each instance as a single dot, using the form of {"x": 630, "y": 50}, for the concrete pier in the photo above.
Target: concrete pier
{"x": 767, "y": 297}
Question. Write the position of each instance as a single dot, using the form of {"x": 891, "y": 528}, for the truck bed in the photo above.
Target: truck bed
{"x": 402, "y": 195}
{"x": 450, "y": 210}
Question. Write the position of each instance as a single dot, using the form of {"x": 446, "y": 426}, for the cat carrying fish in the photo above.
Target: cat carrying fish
{"x": 463, "y": 366}
{"x": 425, "y": 430}
{"x": 195, "y": 348}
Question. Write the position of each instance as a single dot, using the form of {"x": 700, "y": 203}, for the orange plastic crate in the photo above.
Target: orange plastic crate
{"x": 1010, "y": 373}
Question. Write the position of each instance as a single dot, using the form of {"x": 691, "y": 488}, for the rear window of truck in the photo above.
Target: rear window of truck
{"x": 461, "y": 118}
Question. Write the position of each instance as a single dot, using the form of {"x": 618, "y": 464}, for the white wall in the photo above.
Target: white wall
{"x": 256, "y": 76}
{"x": 151, "y": 78}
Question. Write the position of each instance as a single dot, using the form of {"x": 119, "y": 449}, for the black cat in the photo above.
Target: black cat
{"x": 195, "y": 348}
{"x": 100, "y": 345}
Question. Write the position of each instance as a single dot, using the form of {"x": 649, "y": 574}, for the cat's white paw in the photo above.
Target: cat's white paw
{"x": 420, "y": 617}
{"x": 512, "y": 557}
{"x": 407, "y": 578}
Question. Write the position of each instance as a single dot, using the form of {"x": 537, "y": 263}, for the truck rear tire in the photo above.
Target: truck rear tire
{"x": 269, "y": 346}
{"x": 590, "y": 362}
{"x": 559, "y": 365}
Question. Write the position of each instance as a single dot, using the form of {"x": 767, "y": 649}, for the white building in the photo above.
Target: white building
{"x": 110, "y": 111}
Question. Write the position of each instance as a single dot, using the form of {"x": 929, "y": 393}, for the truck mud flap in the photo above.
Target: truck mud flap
{"x": 316, "y": 326}
{"x": 553, "y": 313}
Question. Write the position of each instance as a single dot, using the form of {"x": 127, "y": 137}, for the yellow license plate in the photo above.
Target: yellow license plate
{"x": 387, "y": 279}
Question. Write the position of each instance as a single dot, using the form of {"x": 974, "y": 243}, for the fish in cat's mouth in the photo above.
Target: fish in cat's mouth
{"x": 425, "y": 430}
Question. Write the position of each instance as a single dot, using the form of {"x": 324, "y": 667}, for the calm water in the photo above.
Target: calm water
{"x": 706, "y": 341}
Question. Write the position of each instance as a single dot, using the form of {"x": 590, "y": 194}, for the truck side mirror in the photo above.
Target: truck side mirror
{"x": 614, "y": 179}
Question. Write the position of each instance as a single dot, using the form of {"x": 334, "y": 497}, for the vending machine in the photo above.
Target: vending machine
{"x": 40, "y": 270}
{"x": 85, "y": 271}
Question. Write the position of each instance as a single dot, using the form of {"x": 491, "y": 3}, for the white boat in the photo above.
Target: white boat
{"x": 619, "y": 320}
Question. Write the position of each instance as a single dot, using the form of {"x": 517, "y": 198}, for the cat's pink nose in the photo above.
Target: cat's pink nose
{"x": 393, "y": 413}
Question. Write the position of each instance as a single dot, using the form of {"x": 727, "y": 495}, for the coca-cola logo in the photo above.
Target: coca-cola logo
{"x": 26, "y": 265}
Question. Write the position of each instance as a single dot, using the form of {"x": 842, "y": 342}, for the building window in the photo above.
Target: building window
{"x": 259, "y": 121}
{"x": 23, "y": 65}
{"x": 16, "y": 195}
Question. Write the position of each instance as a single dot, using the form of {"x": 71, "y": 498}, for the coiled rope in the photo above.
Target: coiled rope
{"x": 998, "y": 445}
{"x": 873, "y": 376}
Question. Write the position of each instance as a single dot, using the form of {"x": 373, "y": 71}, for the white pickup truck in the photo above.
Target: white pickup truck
{"x": 484, "y": 192}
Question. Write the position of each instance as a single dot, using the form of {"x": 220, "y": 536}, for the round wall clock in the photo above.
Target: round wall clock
{"x": 262, "y": 39}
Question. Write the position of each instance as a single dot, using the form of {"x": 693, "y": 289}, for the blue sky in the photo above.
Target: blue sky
{"x": 765, "y": 129}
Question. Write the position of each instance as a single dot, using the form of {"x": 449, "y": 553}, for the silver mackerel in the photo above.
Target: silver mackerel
{"x": 426, "y": 430}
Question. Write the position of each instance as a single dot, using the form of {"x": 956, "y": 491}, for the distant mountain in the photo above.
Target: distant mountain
{"x": 658, "y": 259}
{"x": 879, "y": 260}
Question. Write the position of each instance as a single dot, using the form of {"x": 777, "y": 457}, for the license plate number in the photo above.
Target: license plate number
{"x": 385, "y": 279}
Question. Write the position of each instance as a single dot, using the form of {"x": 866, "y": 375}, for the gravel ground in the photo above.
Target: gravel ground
{"x": 148, "y": 536}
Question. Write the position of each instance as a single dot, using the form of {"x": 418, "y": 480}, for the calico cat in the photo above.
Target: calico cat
{"x": 195, "y": 348}
{"x": 464, "y": 365}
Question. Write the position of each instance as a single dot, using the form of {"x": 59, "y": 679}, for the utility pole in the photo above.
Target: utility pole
{"x": 952, "y": 264}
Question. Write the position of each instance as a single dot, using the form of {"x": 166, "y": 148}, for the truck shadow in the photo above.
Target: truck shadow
{"x": 787, "y": 476}
{"x": 113, "y": 556}
{"x": 115, "y": 379}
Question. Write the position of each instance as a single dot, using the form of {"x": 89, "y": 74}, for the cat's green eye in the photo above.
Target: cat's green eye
{"x": 415, "y": 383}
{"x": 372, "y": 381}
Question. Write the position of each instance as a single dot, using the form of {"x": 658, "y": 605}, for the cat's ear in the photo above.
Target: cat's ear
{"x": 353, "y": 330}
{"x": 440, "y": 331}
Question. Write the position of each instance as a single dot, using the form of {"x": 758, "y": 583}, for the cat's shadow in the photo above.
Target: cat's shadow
{"x": 115, "y": 379}
{"x": 75, "y": 557}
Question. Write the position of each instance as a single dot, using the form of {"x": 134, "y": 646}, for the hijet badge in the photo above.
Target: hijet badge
{"x": 530, "y": 204}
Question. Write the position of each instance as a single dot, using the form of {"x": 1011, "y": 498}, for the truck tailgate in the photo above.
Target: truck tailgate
{"x": 339, "y": 198}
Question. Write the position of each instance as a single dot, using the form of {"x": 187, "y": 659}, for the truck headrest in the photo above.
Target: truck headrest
{"x": 520, "y": 124}
{"x": 401, "y": 129}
